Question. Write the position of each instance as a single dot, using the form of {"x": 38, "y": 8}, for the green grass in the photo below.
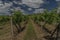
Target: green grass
{"x": 30, "y": 34}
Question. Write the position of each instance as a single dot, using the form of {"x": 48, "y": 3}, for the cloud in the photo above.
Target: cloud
{"x": 41, "y": 10}
{"x": 4, "y": 8}
{"x": 33, "y": 3}
{"x": 57, "y": 0}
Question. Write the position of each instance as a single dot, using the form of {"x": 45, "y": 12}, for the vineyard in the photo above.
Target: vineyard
{"x": 5, "y": 30}
{"x": 41, "y": 26}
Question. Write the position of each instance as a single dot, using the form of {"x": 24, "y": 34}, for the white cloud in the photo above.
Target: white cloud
{"x": 29, "y": 9}
{"x": 4, "y": 7}
{"x": 39, "y": 10}
{"x": 57, "y": 0}
{"x": 33, "y": 3}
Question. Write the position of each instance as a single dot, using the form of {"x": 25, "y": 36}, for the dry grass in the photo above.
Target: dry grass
{"x": 5, "y": 32}
{"x": 30, "y": 34}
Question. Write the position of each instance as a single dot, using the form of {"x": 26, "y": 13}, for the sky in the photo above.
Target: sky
{"x": 27, "y": 6}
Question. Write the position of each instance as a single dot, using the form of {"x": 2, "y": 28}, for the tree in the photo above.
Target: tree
{"x": 17, "y": 19}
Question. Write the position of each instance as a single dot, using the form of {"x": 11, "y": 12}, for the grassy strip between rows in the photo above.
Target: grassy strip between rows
{"x": 30, "y": 34}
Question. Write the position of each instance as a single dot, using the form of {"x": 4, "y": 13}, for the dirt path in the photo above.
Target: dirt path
{"x": 39, "y": 32}
{"x": 30, "y": 34}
